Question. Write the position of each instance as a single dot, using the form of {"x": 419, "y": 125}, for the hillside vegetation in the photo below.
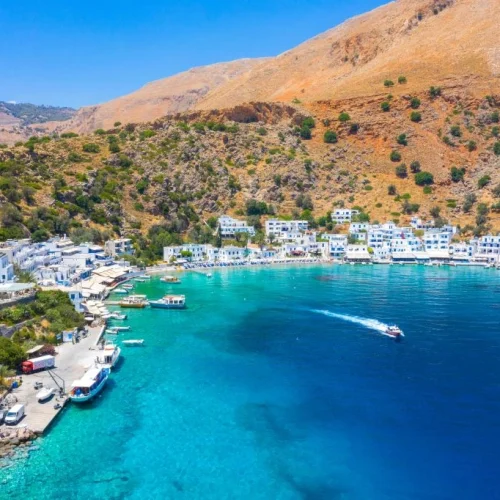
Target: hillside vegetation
{"x": 435, "y": 154}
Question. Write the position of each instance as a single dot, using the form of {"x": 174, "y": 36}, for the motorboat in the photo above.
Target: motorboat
{"x": 121, "y": 291}
{"x": 173, "y": 280}
{"x": 169, "y": 302}
{"x": 89, "y": 385}
{"x": 128, "y": 286}
{"x": 111, "y": 331}
{"x": 133, "y": 342}
{"x": 209, "y": 275}
{"x": 394, "y": 332}
{"x": 108, "y": 355}
{"x": 140, "y": 280}
{"x": 134, "y": 301}
{"x": 118, "y": 316}
{"x": 120, "y": 328}
{"x": 45, "y": 394}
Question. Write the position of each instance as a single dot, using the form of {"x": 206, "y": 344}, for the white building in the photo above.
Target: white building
{"x": 280, "y": 228}
{"x": 228, "y": 227}
{"x": 488, "y": 247}
{"x": 437, "y": 239}
{"x": 343, "y": 215}
{"x": 198, "y": 252}
{"x": 357, "y": 253}
{"x": 6, "y": 269}
{"x": 122, "y": 246}
{"x": 337, "y": 245}
{"x": 231, "y": 253}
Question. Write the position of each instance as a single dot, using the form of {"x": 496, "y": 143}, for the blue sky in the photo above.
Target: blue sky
{"x": 79, "y": 53}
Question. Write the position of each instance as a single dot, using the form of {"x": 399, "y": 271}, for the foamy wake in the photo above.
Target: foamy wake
{"x": 371, "y": 324}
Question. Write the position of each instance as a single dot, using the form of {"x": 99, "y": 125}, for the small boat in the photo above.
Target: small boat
{"x": 140, "y": 280}
{"x": 121, "y": 290}
{"x": 118, "y": 316}
{"x": 109, "y": 355}
{"x": 169, "y": 302}
{"x": 120, "y": 328}
{"x": 111, "y": 331}
{"x": 134, "y": 342}
{"x": 394, "y": 332}
{"x": 89, "y": 385}
{"x": 45, "y": 394}
{"x": 128, "y": 286}
{"x": 209, "y": 275}
{"x": 134, "y": 301}
{"x": 174, "y": 280}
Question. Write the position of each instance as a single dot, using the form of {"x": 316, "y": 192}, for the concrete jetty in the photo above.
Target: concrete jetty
{"x": 72, "y": 361}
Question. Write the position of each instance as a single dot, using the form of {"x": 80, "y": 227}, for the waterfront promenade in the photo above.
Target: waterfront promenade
{"x": 72, "y": 361}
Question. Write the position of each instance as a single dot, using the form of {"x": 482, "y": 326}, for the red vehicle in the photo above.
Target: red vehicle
{"x": 36, "y": 364}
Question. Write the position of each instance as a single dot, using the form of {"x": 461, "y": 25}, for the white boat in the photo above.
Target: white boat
{"x": 140, "y": 280}
{"x": 128, "y": 286}
{"x": 121, "y": 290}
{"x": 171, "y": 279}
{"x": 118, "y": 316}
{"x": 45, "y": 394}
{"x": 89, "y": 385}
{"x": 111, "y": 331}
{"x": 394, "y": 332}
{"x": 120, "y": 328}
{"x": 134, "y": 301}
{"x": 134, "y": 342}
{"x": 209, "y": 275}
{"x": 108, "y": 355}
{"x": 169, "y": 302}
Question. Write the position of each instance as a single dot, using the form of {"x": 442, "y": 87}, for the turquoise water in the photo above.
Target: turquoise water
{"x": 277, "y": 384}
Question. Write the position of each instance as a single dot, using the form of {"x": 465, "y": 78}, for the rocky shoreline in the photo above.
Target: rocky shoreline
{"x": 13, "y": 439}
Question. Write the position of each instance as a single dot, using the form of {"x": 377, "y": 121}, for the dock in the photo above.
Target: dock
{"x": 72, "y": 361}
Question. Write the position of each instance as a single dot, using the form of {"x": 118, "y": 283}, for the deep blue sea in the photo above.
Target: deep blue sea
{"x": 278, "y": 384}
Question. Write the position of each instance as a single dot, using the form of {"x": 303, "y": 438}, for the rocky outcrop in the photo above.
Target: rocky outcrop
{"x": 11, "y": 439}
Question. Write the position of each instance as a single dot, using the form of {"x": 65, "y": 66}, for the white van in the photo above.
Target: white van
{"x": 15, "y": 414}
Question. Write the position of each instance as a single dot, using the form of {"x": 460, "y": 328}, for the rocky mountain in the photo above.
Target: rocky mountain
{"x": 156, "y": 99}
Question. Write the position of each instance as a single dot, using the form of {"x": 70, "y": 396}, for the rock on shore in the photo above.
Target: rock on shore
{"x": 11, "y": 438}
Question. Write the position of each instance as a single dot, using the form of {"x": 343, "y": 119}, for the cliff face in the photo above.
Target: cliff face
{"x": 430, "y": 42}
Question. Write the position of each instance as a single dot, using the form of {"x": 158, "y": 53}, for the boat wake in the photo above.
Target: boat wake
{"x": 371, "y": 324}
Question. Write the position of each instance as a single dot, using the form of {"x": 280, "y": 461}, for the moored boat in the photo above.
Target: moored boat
{"x": 171, "y": 279}
{"x": 109, "y": 355}
{"x": 169, "y": 302}
{"x": 134, "y": 301}
{"x": 394, "y": 332}
{"x": 118, "y": 316}
{"x": 89, "y": 385}
{"x": 121, "y": 291}
{"x": 128, "y": 286}
{"x": 134, "y": 342}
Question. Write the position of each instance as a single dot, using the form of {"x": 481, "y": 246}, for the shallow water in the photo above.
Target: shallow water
{"x": 277, "y": 384}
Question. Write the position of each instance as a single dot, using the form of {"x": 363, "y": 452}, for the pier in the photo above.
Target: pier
{"x": 72, "y": 361}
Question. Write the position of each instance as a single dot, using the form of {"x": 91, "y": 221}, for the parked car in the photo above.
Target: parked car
{"x": 14, "y": 415}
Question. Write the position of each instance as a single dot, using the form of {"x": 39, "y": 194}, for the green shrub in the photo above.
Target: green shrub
{"x": 496, "y": 148}
{"x": 483, "y": 181}
{"x": 402, "y": 79}
{"x": 424, "y": 179}
{"x": 495, "y": 131}
{"x": 330, "y": 137}
{"x": 117, "y": 124}
{"x": 354, "y": 128}
{"x": 455, "y": 131}
{"x": 388, "y": 83}
{"x": 261, "y": 131}
{"x": 391, "y": 189}
{"x": 309, "y": 122}
{"x": 114, "y": 148}
{"x": 395, "y": 155}
{"x": 495, "y": 117}
{"x": 146, "y": 134}
{"x": 416, "y": 116}
{"x": 427, "y": 190}
{"x": 401, "y": 171}
{"x": 305, "y": 133}
{"x": 402, "y": 139}
{"x": 415, "y": 102}
{"x": 471, "y": 146}
{"x": 457, "y": 174}
{"x": 91, "y": 147}
{"x": 415, "y": 167}
{"x": 434, "y": 92}
{"x": 68, "y": 135}
{"x": 99, "y": 131}
{"x": 344, "y": 117}
{"x": 385, "y": 106}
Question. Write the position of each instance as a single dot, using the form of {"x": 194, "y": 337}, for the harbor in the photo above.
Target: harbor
{"x": 72, "y": 361}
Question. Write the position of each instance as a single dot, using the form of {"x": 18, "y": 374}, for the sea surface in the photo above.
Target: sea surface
{"x": 277, "y": 383}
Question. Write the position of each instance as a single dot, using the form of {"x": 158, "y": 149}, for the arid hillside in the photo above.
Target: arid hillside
{"x": 159, "y": 98}
{"x": 452, "y": 43}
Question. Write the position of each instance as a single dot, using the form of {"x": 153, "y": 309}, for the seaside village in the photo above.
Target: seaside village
{"x": 58, "y": 279}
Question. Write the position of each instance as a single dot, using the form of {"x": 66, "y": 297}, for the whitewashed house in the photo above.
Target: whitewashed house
{"x": 343, "y": 215}
{"x": 280, "y": 228}
{"x": 228, "y": 227}
{"x": 6, "y": 269}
